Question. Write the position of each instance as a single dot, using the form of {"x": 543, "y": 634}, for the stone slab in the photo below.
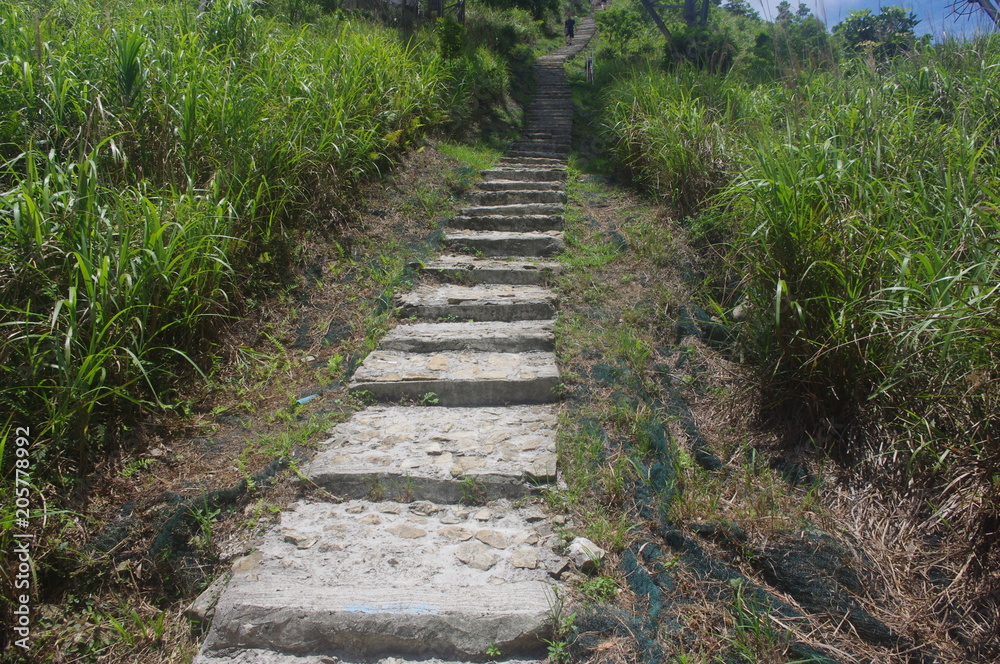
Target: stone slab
{"x": 484, "y": 336}
{"x": 527, "y": 223}
{"x": 511, "y": 210}
{"x": 522, "y": 185}
{"x": 505, "y": 243}
{"x": 520, "y": 196}
{"x": 486, "y": 302}
{"x": 534, "y": 162}
{"x": 415, "y": 453}
{"x": 254, "y": 656}
{"x": 460, "y": 378}
{"x": 527, "y": 173}
{"x": 493, "y": 271}
{"x": 541, "y": 153}
{"x": 362, "y": 581}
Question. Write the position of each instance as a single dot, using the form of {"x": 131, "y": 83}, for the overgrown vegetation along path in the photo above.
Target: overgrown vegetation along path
{"x": 406, "y": 566}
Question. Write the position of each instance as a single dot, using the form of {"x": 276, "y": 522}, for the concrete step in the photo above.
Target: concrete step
{"x": 536, "y": 161}
{"x": 531, "y": 173}
{"x": 555, "y": 154}
{"x": 464, "y": 378}
{"x": 521, "y": 185}
{"x": 546, "y": 134}
{"x": 504, "y": 243}
{"x": 435, "y": 454}
{"x": 255, "y": 656}
{"x": 511, "y": 210}
{"x": 485, "y": 302}
{"x": 465, "y": 269}
{"x": 361, "y": 581}
{"x": 519, "y": 197}
{"x": 483, "y": 336}
{"x": 518, "y": 223}
{"x": 540, "y": 146}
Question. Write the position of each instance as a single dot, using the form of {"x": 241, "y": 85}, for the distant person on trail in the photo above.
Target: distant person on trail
{"x": 570, "y": 24}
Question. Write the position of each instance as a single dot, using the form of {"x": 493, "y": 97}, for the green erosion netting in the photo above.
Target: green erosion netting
{"x": 660, "y": 552}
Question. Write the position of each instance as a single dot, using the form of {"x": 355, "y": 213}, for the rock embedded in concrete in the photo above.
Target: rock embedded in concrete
{"x": 477, "y": 555}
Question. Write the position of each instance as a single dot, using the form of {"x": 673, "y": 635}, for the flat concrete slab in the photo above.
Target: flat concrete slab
{"x": 541, "y": 153}
{"x": 509, "y": 210}
{"x": 522, "y": 185}
{"x": 482, "y": 302}
{"x": 493, "y": 271}
{"x": 505, "y": 243}
{"x": 532, "y": 173}
{"x": 519, "y": 196}
{"x": 533, "y": 161}
{"x": 415, "y": 453}
{"x": 485, "y": 336}
{"x": 364, "y": 581}
{"x": 527, "y": 223}
{"x": 241, "y": 656}
{"x": 464, "y": 378}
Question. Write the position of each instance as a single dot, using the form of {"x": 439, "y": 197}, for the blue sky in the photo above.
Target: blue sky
{"x": 934, "y": 15}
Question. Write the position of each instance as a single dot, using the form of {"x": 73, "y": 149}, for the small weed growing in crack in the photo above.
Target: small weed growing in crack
{"x": 376, "y": 490}
{"x": 473, "y": 492}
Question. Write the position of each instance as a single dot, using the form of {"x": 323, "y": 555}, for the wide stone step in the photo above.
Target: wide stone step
{"x": 464, "y": 378}
{"x": 534, "y": 161}
{"x": 361, "y": 581}
{"x": 444, "y": 455}
{"x": 540, "y": 153}
{"x": 521, "y": 185}
{"x": 255, "y": 656}
{"x": 518, "y": 223}
{"x": 505, "y": 243}
{"x": 540, "y": 146}
{"x": 529, "y": 173}
{"x": 511, "y": 210}
{"x": 485, "y": 302}
{"x": 491, "y": 271}
{"x": 519, "y": 197}
{"x": 485, "y": 336}
{"x": 546, "y": 134}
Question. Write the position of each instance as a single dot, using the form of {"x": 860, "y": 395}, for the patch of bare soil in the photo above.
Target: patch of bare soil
{"x": 153, "y": 526}
{"x": 728, "y": 543}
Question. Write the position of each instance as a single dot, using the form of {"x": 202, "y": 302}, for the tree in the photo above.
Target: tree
{"x": 785, "y": 15}
{"x": 888, "y": 34}
{"x": 741, "y": 8}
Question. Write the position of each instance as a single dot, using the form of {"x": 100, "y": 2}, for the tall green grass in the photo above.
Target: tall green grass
{"x": 857, "y": 208}
{"x": 157, "y": 165}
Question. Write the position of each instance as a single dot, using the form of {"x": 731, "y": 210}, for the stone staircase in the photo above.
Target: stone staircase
{"x": 440, "y": 549}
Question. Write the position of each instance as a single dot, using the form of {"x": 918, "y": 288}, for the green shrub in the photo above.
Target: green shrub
{"x": 207, "y": 142}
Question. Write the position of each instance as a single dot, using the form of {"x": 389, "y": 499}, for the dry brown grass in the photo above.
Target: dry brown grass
{"x": 916, "y": 579}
